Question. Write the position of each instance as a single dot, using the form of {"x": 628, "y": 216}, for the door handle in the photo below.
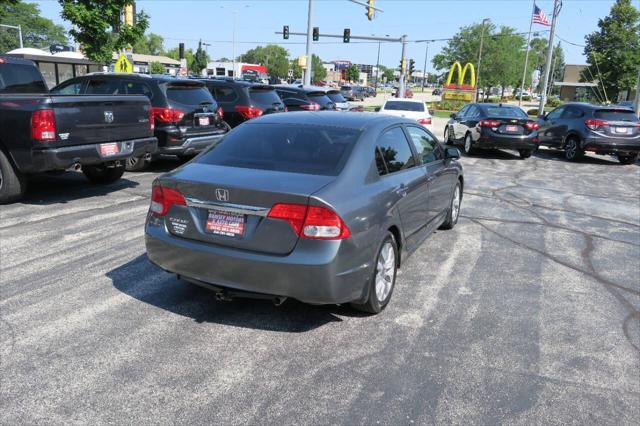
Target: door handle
{"x": 402, "y": 190}
{"x": 430, "y": 178}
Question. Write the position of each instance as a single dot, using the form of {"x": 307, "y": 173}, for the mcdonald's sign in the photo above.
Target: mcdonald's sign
{"x": 460, "y": 91}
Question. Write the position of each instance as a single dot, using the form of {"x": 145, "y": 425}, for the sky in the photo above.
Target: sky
{"x": 257, "y": 21}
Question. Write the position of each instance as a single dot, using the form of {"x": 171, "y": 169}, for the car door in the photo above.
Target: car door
{"x": 571, "y": 112}
{"x": 458, "y": 127}
{"x": 471, "y": 120}
{"x": 408, "y": 183}
{"x": 548, "y": 127}
{"x": 440, "y": 179}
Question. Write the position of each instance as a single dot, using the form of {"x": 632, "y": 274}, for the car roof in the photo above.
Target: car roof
{"x": 351, "y": 120}
{"x": 17, "y": 61}
{"x": 299, "y": 88}
{"x": 156, "y": 77}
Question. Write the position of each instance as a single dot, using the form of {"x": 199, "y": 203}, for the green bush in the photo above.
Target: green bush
{"x": 447, "y": 105}
{"x": 156, "y": 67}
{"x": 553, "y": 102}
{"x": 533, "y": 111}
{"x": 492, "y": 100}
{"x": 526, "y": 98}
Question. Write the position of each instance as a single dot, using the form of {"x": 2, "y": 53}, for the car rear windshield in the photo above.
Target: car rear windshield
{"x": 336, "y": 97}
{"x": 189, "y": 95}
{"x": 320, "y": 98}
{"x": 264, "y": 96}
{"x": 293, "y": 148}
{"x": 404, "y": 106}
{"x": 506, "y": 112}
{"x": 615, "y": 115}
{"x": 17, "y": 78}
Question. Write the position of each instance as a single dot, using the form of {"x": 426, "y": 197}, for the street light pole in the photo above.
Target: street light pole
{"x": 557, "y": 5}
{"x": 378, "y": 68}
{"x": 19, "y": 28}
{"x": 401, "y": 85}
{"x": 484, "y": 21}
{"x": 233, "y": 72}
{"x": 424, "y": 68}
{"x": 307, "y": 71}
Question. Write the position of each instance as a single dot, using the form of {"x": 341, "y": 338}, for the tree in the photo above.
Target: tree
{"x": 156, "y": 67}
{"x": 388, "y": 74}
{"x": 538, "y": 58}
{"x": 353, "y": 73}
{"x": 37, "y": 31}
{"x": 149, "y": 44}
{"x": 297, "y": 70}
{"x": 613, "y": 52}
{"x": 275, "y": 58}
{"x": 200, "y": 60}
{"x": 319, "y": 73}
{"x": 174, "y": 53}
{"x": 98, "y": 29}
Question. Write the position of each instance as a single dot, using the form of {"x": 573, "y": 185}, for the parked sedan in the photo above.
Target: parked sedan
{"x": 320, "y": 207}
{"x": 603, "y": 129}
{"x": 408, "y": 108}
{"x": 493, "y": 126}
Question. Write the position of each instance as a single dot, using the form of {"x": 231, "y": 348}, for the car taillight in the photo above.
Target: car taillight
{"x": 425, "y": 120}
{"x": 249, "y": 112}
{"x": 220, "y": 112}
{"x": 163, "y": 198}
{"x": 43, "y": 125}
{"x": 168, "y": 115}
{"x": 313, "y": 106}
{"x": 286, "y": 109}
{"x": 595, "y": 124}
{"x": 531, "y": 125}
{"x": 152, "y": 120}
{"x": 489, "y": 123}
{"x": 311, "y": 222}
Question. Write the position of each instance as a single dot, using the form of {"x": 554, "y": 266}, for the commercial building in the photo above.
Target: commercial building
{"x": 572, "y": 89}
{"x": 243, "y": 70}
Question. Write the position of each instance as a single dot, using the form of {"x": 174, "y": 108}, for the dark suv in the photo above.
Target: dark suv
{"x": 580, "y": 127}
{"x": 305, "y": 98}
{"x": 352, "y": 93}
{"x": 242, "y": 100}
{"x": 187, "y": 119}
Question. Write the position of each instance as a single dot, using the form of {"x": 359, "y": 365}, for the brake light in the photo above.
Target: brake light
{"x": 312, "y": 106}
{"x": 2, "y": 61}
{"x": 152, "y": 120}
{"x": 249, "y": 112}
{"x": 489, "y": 123}
{"x": 220, "y": 112}
{"x": 43, "y": 125}
{"x": 168, "y": 115}
{"x": 531, "y": 125}
{"x": 595, "y": 124}
{"x": 311, "y": 222}
{"x": 163, "y": 198}
{"x": 286, "y": 109}
{"x": 426, "y": 120}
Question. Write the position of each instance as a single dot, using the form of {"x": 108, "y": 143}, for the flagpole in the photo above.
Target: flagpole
{"x": 557, "y": 5}
{"x": 526, "y": 56}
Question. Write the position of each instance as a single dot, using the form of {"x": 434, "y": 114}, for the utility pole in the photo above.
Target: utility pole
{"x": 424, "y": 69}
{"x": 233, "y": 72}
{"x": 401, "y": 86}
{"x": 484, "y": 21}
{"x": 378, "y": 68}
{"x": 307, "y": 71}
{"x": 557, "y": 5}
{"x": 19, "y": 28}
{"x": 636, "y": 102}
{"x": 526, "y": 56}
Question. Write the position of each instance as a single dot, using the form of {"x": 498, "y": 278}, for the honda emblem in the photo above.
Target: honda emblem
{"x": 108, "y": 117}
{"x": 222, "y": 194}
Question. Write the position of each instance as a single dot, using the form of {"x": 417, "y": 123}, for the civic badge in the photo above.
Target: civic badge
{"x": 108, "y": 117}
{"x": 222, "y": 194}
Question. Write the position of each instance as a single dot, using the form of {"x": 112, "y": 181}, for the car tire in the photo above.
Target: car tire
{"x": 450, "y": 136}
{"x": 454, "y": 208}
{"x": 136, "y": 164}
{"x": 525, "y": 153}
{"x": 383, "y": 278}
{"x": 627, "y": 159}
{"x": 102, "y": 175}
{"x": 468, "y": 144}
{"x": 12, "y": 183}
{"x": 572, "y": 150}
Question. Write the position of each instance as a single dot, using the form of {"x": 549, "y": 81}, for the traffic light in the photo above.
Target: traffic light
{"x": 412, "y": 67}
{"x": 285, "y": 32}
{"x": 403, "y": 65}
{"x": 316, "y": 33}
{"x": 370, "y": 10}
{"x": 346, "y": 37}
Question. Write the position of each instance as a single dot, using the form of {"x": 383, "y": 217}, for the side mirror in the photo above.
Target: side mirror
{"x": 377, "y": 109}
{"x": 454, "y": 115}
{"x": 452, "y": 153}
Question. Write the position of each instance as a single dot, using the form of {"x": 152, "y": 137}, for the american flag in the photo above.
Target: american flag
{"x": 539, "y": 17}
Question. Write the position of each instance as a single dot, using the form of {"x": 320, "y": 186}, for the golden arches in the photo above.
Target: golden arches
{"x": 462, "y": 72}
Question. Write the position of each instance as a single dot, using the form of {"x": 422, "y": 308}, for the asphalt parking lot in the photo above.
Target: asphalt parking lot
{"x": 528, "y": 312}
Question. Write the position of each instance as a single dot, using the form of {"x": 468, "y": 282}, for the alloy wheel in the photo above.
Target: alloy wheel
{"x": 467, "y": 144}
{"x": 451, "y": 135}
{"x": 570, "y": 149}
{"x": 455, "y": 204}
{"x": 385, "y": 271}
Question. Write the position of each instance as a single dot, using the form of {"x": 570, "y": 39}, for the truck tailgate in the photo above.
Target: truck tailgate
{"x": 89, "y": 119}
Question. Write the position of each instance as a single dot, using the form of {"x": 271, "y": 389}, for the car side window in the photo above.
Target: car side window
{"x": 105, "y": 87}
{"x": 394, "y": 151}
{"x": 426, "y": 145}
{"x": 139, "y": 88}
{"x": 572, "y": 112}
{"x": 70, "y": 89}
{"x": 555, "y": 114}
{"x": 473, "y": 112}
{"x": 464, "y": 111}
{"x": 225, "y": 94}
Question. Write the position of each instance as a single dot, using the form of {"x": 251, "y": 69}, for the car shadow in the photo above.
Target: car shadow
{"x": 558, "y": 155}
{"x": 143, "y": 281}
{"x": 494, "y": 154}
{"x": 60, "y": 188}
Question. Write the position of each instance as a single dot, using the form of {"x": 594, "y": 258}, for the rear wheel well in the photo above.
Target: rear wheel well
{"x": 575, "y": 136}
{"x": 396, "y": 235}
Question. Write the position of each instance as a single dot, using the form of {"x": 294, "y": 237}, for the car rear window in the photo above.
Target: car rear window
{"x": 615, "y": 115}
{"x": 404, "y": 106}
{"x": 17, "y": 78}
{"x": 189, "y": 95}
{"x": 506, "y": 112}
{"x": 336, "y": 97}
{"x": 322, "y": 99}
{"x": 264, "y": 96}
{"x": 293, "y": 148}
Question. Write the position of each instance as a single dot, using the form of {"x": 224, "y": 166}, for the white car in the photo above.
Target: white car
{"x": 408, "y": 108}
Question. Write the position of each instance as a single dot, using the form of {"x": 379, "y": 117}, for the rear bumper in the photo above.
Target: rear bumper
{"x": 311, "y": 273}
{"x": 191, "y": 145}
{"x": 611, "y": 145}
{"x": 49, "y": 159}
{"x": 492, "y": 140}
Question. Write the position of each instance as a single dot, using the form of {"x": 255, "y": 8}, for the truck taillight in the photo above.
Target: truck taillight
{"x": 168, "y": 115}
{"x": 43, "y": 125}
{"x": 595, "y": 124}
{"x": 311, "y": 222}
{"x": 163, "y": 198}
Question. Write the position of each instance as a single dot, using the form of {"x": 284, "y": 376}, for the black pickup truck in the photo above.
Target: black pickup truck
{"x": 42, "y": 132}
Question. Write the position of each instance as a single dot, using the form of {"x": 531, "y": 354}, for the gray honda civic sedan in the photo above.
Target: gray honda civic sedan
{"x": 320, "y": 207}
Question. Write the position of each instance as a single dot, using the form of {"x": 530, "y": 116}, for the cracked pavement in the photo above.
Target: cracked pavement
{"x": 528, "y": 312}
